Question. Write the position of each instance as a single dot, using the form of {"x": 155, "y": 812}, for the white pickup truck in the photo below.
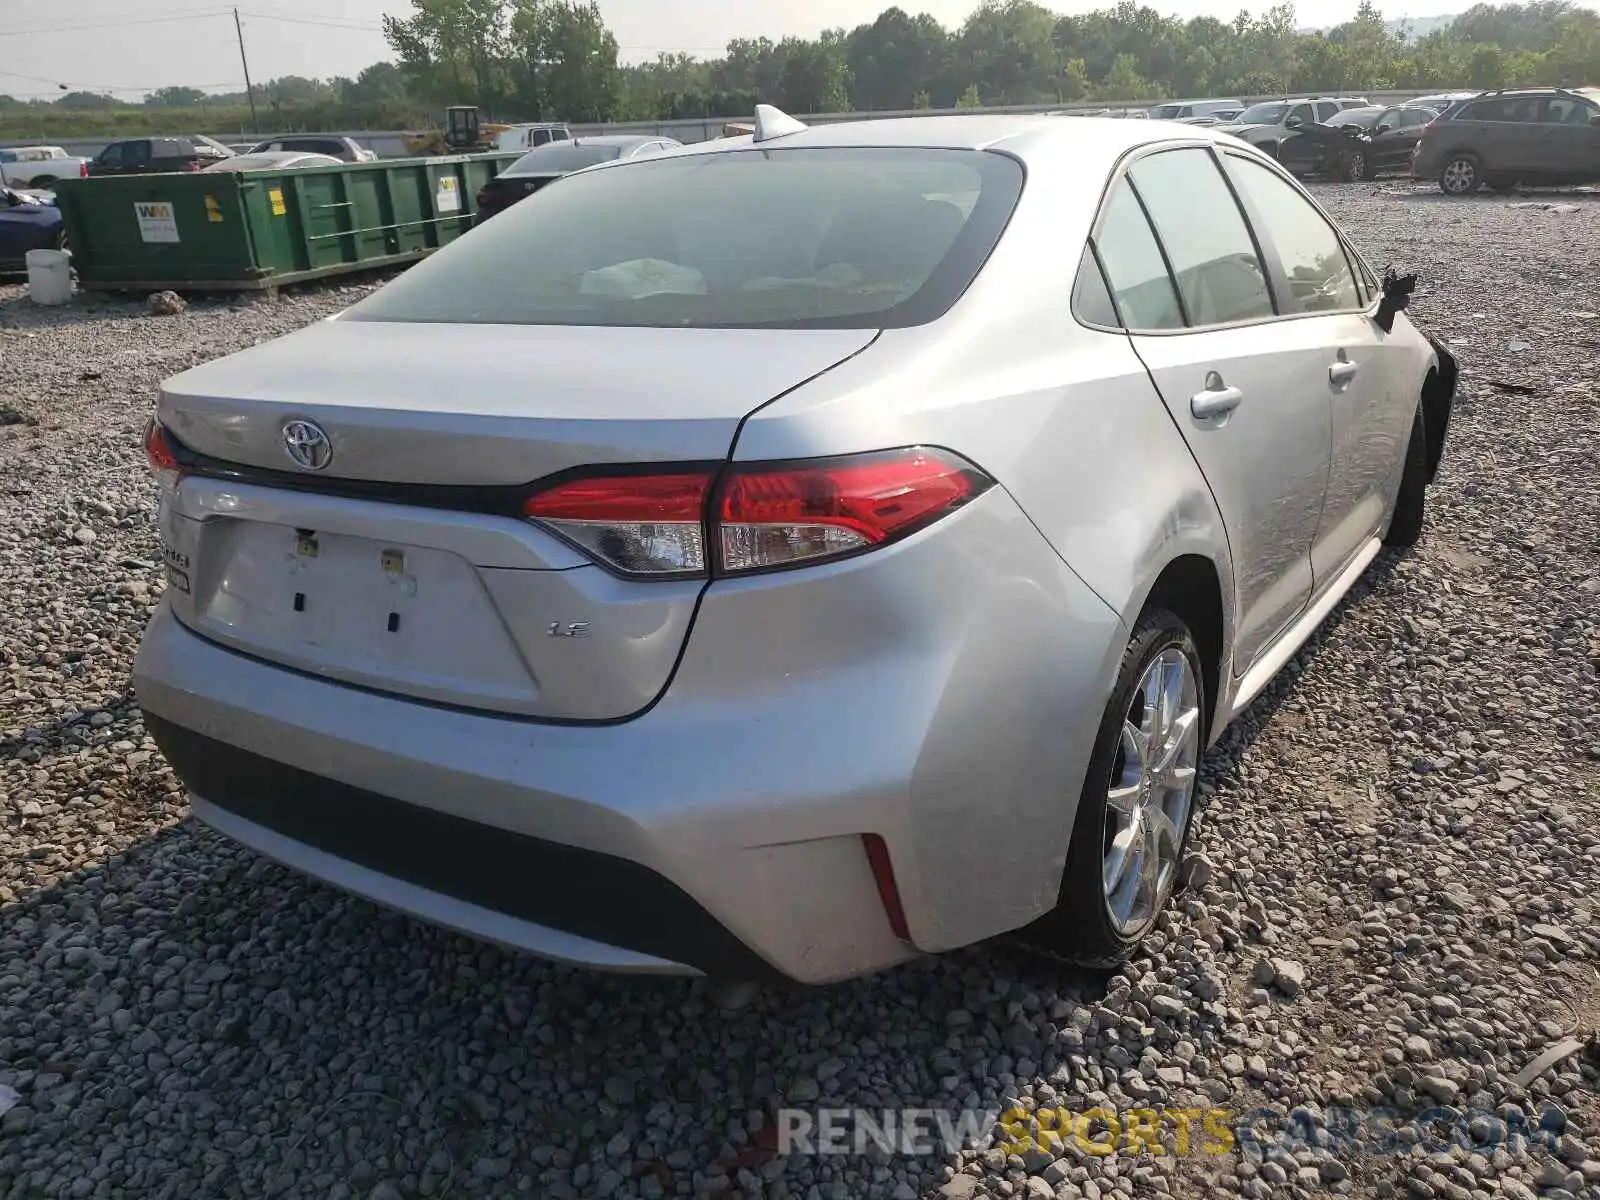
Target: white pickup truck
{"x": 39, "y": 166}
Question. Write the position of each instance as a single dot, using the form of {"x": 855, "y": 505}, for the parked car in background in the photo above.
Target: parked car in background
{"x": 209, "y": 147}
{"x": 27, "y": 222}
{"x": 1291, "y": 131}
{"x": 532, "y": 135}
{"x": 344, "y": 149}
{"x": 152, "y": 155}
{"x": 1539, "y": 136}
{"x": 1184, "y": 110}
{"x": 1388, "y": 137}
{"x": 279, "y": 160}
{"x": 549, "y": 162}
{"x": 664, "y": 578}
{"x": 39, "y": 166}
{"x": 1443, "y": 101}
{"x": 1217, "y": 116}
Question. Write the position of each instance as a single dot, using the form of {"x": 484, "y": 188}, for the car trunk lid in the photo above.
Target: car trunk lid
{"x": 369, "y": 571}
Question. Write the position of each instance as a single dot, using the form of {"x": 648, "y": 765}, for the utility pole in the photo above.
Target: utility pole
{"x": 248, "y": 90}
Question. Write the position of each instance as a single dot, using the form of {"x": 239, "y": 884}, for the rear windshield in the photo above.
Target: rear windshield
{"x": 1165, "y": 112}
{"x": 569, "y": 156}
{"x": 856, "y": 238}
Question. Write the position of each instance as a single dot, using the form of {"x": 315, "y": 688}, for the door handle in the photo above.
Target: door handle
{"x": 1216, "y": 401}
{"x": 1342, "y": 372}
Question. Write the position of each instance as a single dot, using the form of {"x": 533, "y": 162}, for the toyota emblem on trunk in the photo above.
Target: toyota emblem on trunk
{"x": 307, "y": 444}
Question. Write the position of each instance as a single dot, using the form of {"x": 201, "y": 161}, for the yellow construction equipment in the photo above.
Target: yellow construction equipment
{"x": 463, "y": 133}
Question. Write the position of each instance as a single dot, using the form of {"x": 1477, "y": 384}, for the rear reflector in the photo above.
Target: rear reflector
{"x": 764, "y": 516}
{"x": 888, "y": 889}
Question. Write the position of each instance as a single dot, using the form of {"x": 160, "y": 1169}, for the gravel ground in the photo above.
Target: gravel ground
{"x": 1395, "y": 907}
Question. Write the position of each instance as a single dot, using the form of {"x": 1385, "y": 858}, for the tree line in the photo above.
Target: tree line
{"x": 556, "y": 59}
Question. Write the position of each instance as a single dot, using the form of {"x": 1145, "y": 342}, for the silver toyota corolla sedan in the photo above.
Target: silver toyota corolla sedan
{"x": 781, "y": 557}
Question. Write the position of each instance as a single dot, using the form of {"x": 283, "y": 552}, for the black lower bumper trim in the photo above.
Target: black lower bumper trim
{"x": 583, "y": 892}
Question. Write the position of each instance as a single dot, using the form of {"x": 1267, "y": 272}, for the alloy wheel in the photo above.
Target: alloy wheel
{"x": 1152, "y": 790}
{"x": 1358, "y": 167}
{"x": 1460, "y": 174}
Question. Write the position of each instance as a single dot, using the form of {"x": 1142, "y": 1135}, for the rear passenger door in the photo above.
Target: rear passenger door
{"x": 1570, "y": 143}
{"x": 1245, "y": 390}
{"x": 1370, "y": 419}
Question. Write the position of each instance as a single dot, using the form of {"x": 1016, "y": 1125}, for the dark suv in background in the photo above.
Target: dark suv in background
{"x": 154, "y": 155}
{"x": 1500, "y": 139}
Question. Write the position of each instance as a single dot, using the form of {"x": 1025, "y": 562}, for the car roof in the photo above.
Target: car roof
{"x": 1097, "y": 142}
{"x": 609, "y": 139}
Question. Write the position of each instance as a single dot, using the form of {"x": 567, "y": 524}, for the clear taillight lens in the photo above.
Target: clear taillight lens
{"x": 764, "y": 516}
{"x": 783, "y": 515}
{"x": 652, "y": 525}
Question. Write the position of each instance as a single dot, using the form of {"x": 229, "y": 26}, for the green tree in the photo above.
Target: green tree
{"x": 970, "y": 98}
{"x": 814, "y": 78}
{"x": 1123, "y": 81}
{"x": 174, "y": 97}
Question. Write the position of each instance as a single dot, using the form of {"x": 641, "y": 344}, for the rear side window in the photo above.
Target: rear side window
{"x": 1091, "y": 301}
{"x": 1213, "y": 256}
{"x": 1312, "y": 255}
{"x": 1568, "y": 110}
{"x": 1138, "y": 276}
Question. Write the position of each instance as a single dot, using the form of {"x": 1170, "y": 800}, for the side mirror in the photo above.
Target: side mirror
{"x": 1385, "y": 127}
{"x": 1397, "y": 291}
{"x": 1293, "y": 123}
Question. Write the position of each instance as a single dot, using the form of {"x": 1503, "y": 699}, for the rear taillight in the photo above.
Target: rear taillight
{"x": 192, "y": 165}
{"x": 778, "y": 516}
{"x": 483, "y": 197}
{"x": 159, "y": 454}
{"x": 756, "y": 516}
{"x": 637, "y": 524}
{"x": 83, "y": 170}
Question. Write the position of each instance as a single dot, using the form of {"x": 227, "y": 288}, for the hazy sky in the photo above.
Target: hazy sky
{"x": 132, "y": 46}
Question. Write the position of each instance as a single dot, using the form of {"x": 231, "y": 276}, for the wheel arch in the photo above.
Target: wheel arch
{"x": 1438, "y": 398}
{"x": 1190, "y": 588}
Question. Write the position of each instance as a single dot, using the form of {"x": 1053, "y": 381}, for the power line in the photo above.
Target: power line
{"x": 314, "y": 21}
{"x": 192, "y": 15}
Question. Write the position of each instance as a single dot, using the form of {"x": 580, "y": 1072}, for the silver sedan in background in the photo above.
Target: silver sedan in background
{"x": 783, "y": 556}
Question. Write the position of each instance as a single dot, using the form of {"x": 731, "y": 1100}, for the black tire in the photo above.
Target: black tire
{"x": 42, "y": 181}
{"x": 1355, "y": 167}
{"x": 1080, "y": 927}
{"x": 1410, "y": 502}
{"x": 1461, "y": 175}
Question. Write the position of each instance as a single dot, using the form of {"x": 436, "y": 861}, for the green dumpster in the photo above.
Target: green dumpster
{"x": 251, "y": 230}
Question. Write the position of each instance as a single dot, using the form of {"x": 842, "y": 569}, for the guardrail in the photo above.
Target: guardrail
{"x": 390, "y": 142}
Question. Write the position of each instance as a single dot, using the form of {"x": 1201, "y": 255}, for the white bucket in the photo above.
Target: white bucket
{"x": 49, "y": 276}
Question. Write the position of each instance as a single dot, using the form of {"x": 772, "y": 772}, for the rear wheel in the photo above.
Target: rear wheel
{"x": 42, "y": 181}
{"x": 1137, "y": 801}
{"x": 1462, "y": 175}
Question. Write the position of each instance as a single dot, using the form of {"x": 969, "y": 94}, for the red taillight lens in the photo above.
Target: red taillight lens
{"x": 636, "y": 524}
{"x": 83, "y": 170}
{"x": 779, "y": 516}
{"x": 765, "y": 515}
{"x": 158, "y": 450}
{"x": 159, "y": 454}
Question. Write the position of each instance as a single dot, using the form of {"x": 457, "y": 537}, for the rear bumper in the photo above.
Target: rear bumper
{"x": 942, "y": 694}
